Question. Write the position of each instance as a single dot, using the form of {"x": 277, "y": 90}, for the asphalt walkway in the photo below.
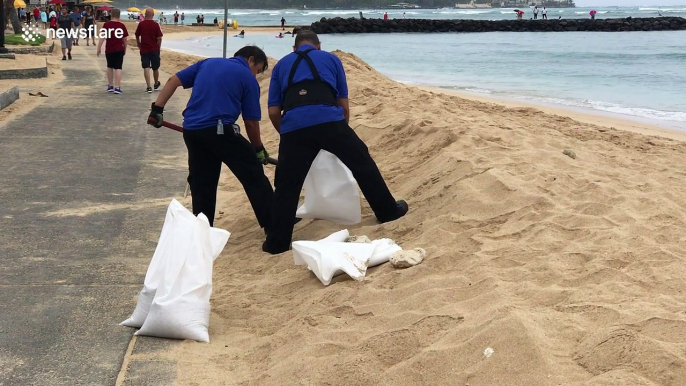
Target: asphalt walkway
{"x": 84, "y": 189}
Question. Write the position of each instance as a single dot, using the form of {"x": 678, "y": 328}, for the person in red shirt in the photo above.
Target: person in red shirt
{"x": 149, "y": 41}
{"x": 36, "y": 15}
{"x": 115, "y": 49}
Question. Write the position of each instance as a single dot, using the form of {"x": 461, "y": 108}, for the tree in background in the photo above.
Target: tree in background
{"x": 12, "y": 17}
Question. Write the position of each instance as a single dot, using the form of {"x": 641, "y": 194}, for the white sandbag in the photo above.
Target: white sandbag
{"x": 383, "y": 251}
{"x": 326, "y": 258}
{"x": 176, "y": 231}
{"x": 181, "y": 307}
{"x": 339, "y": 236}
{"x": 330, "y": 192}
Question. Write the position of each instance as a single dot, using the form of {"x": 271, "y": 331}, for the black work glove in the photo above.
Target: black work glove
{"x": 262, "y": 154}
{"x": 156, "y": 115}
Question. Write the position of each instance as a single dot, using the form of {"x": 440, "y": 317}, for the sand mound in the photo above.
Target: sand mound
{"x": 572, "y": 270}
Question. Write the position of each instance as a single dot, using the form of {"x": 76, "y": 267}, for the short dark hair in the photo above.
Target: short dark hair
{"x": 306, "y": 36}
{"x": 257, "y": 54}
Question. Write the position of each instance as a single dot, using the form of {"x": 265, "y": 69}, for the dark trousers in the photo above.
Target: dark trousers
{"x": 297, "y": 151}
{"x": 206, "y": 152}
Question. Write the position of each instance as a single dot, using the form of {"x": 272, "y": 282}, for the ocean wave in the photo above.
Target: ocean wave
{"x": 613, "y": 108}
{"x": 334, "y": 12}
{"x": 662, "y": 9}
{"x": 463, "y": 12}
{"x": 478, "y": 90}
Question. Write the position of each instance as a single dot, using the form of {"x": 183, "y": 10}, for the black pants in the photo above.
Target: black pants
{"x": 206, "y": 152}
{"x": 297, "y": 151}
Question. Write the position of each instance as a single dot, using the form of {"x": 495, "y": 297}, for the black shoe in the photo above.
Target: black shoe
{"x": 401, "y": 210}
{"x": 69, "y": 55}
{"x": 148, "y": 90}
{"x": 64, "y": 58}
{"x": 157, "y": 85}
{"x": 271, "y": 250}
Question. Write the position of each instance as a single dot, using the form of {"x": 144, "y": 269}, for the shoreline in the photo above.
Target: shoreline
{"x": 645, "y": 126}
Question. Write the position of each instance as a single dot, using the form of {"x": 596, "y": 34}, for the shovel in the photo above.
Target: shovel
{"x": 169, "y": 125}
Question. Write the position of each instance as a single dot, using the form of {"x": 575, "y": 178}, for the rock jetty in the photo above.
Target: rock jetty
{"x": 354, "y": 25}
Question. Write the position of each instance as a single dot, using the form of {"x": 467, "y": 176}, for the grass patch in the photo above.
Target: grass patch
{"x": 18, "y": 40}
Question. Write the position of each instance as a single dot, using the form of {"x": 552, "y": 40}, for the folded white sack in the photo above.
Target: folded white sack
{"x": 331, "y": 256}
{"x": 179, "y": 278}
{"x": 330, "y": 192}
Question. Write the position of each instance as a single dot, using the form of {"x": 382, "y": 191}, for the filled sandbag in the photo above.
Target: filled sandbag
{"x": 330, "y": 192}
{"x": 175, "y": 236}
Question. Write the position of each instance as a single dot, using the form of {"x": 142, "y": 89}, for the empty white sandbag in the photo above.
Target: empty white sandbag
{"x": 326, "y": 258}
{"x": 330, "y": 192}
{"x": 181, "y": 306}
{"x": 176, "y": 231}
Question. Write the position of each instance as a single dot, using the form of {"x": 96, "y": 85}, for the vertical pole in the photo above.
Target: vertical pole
{"x": 3, "y": 50}
{"x": 226, "y": 22}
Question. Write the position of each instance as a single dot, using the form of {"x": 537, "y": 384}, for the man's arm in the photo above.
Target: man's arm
{"x": 100, "y": 43}
{"x": 343, "y": 102}
{"x": 252, "y": 128}
{"x": 275, "y": 117}
{"x": 168, "y": 90}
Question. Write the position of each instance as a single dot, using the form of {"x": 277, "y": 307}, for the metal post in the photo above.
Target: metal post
{"x": 226, "y": 22}
{"x": 3, "y": 50}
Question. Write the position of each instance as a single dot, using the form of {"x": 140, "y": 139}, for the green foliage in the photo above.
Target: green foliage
{"x": 18, "y": 40}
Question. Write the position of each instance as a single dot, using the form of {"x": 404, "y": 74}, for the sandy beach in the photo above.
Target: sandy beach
{"x": 570, "y": 267}
{"x": 553, "y": 238}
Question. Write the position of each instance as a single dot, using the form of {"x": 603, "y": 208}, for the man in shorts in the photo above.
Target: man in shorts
{"x": 76, "y": 17}
{"x": 115, "y": 49}
{"x": 65, "y": 25}
{"x": 149, "y": 41}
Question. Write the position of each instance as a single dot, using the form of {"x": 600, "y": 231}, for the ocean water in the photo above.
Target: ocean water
{"x": 257, "y": 17}
{"x": 637, "y": 75}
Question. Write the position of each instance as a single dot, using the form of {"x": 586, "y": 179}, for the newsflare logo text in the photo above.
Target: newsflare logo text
{"x": 83, "y": 33}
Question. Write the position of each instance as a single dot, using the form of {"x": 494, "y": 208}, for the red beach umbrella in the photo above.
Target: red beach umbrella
{"x": 60, "y": 2}
{"x": 105, "y": 8}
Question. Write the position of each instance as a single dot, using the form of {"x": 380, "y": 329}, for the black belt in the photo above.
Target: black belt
{"x": 307, "y": 92}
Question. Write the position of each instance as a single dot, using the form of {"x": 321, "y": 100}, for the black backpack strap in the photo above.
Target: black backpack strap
{"x": 303, "y": 55}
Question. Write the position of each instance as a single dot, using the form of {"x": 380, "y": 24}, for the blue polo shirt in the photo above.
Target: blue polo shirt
{"x": 222, "y": 88}
{"x": 330, "y": 70}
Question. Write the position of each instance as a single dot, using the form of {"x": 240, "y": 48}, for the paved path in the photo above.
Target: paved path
{"x": 84, "y": 189}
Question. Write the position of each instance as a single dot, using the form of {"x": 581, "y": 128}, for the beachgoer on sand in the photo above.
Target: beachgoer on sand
{"x": 183, "y": 18}
{"x": 223, "y": 89}
{"x": 65, "y": 24}
{"x": 149, "y": 41}
{"x": 115, "y": 49}
{"x": 283, "y": 23}
{"x": 308, "y": 105}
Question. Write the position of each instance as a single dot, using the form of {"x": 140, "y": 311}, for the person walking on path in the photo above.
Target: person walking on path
{"x": 223, "y": 89}
{"x": 309, "y": 86}
{"x": 115, "y": 49}
{"x": 149, "y": 41}
{"x": 91, "y": 26}
{"x": 65, "y": 25}
{"x": 76, "y": 16}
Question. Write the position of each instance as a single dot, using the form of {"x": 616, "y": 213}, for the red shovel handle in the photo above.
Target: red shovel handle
{"x": 270, "y": 160}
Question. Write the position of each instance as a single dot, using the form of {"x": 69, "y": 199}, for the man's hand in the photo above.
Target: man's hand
{"x": 156, "y": 115}
{"x": 262, "y": 154}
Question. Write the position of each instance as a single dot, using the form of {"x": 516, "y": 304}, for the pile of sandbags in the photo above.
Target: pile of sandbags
{"x": 175, "y": 299}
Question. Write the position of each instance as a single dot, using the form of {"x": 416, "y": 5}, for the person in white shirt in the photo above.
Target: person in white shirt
{"x": 545, "y": 13}
{"x": 535, "y": 13}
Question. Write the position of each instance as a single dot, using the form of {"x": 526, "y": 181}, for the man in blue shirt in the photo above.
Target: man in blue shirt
{"x": 310, "y": 88}
{"x": 76, "y": 17}
{"x": 223, "y": 89}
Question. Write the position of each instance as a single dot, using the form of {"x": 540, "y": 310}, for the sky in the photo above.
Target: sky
{"x": 627, "y": 3}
